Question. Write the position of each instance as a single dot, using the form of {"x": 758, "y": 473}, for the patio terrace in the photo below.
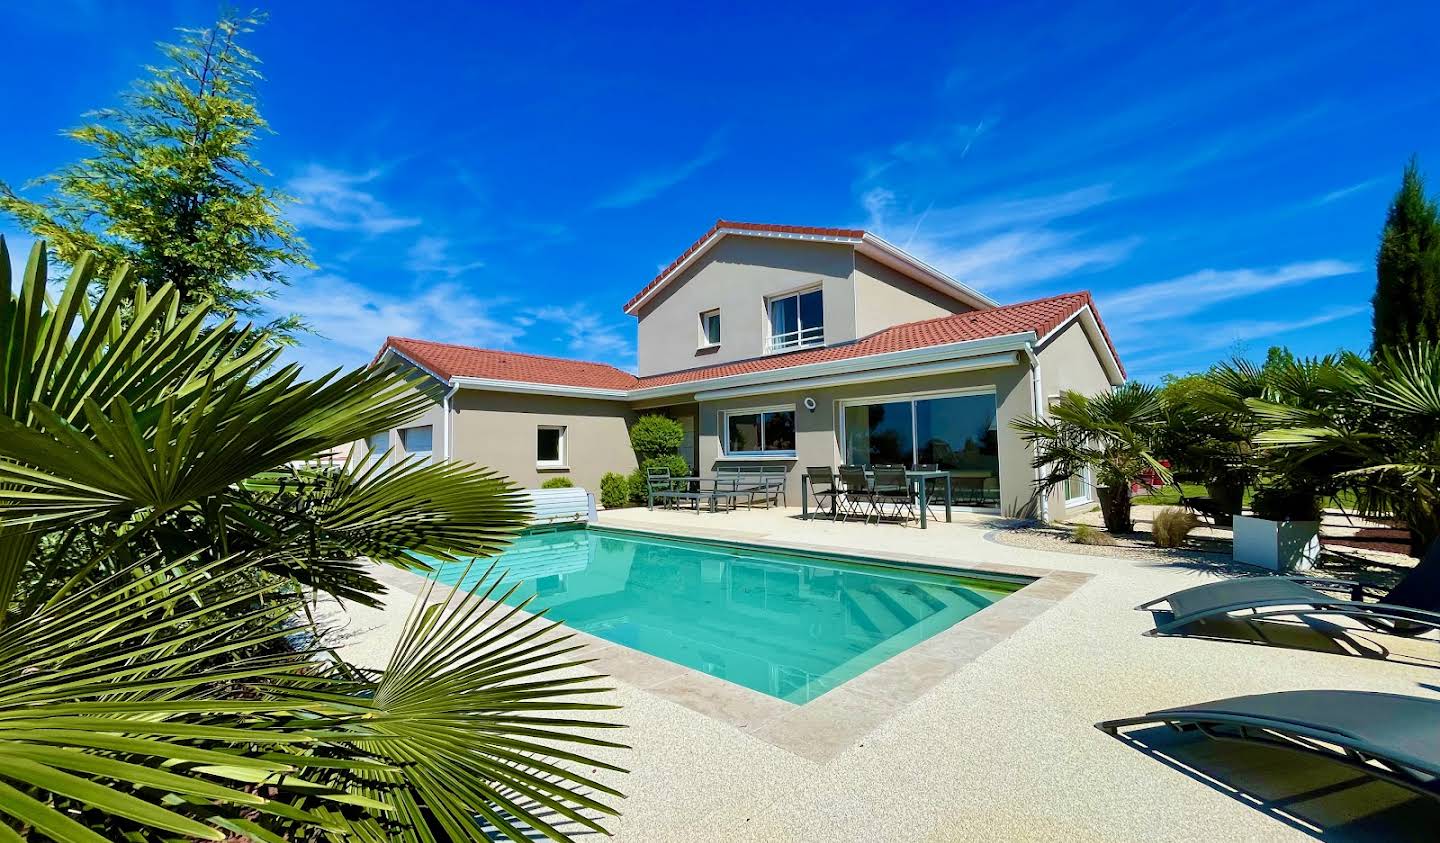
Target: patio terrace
{"x": 994, "y": 737}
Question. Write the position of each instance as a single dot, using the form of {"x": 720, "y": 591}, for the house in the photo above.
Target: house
{"x": 791, "y": 346}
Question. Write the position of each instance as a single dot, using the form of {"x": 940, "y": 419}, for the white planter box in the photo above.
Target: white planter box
{"x": 1276, "y": 545}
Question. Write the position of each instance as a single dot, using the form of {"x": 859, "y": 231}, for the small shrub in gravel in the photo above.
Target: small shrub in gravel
{"x": 1172, "y": 526}
{"x": 1085, "y": 534}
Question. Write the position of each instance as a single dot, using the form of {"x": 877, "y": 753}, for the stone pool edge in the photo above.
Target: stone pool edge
{"x": 821, "y": 729}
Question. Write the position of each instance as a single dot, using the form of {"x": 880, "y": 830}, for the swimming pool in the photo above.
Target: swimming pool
{"x": 789, "y": 624}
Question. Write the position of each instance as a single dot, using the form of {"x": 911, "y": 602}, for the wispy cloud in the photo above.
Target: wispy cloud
{"x": 431, "y": 255}
{"x": 647, "y": 186}
{"x": 1210, "y": 337}
{"x": 584, "y": 332}
{"x": 1003, "y": 241}
{"x": 336, "y": 200}
{"x": 1349, "y": 190}
{"x": 354, "y": 320}
{"x": 1206, "y": 288}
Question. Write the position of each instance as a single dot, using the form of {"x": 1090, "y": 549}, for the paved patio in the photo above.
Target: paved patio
{"x": 999, "y": 745}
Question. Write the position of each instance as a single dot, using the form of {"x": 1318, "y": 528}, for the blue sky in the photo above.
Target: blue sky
{"x": 1216, "y": 174}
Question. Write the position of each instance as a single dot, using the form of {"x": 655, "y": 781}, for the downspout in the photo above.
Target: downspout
{"x": 448, "y": 425}
{"x": 1037, "y": 407}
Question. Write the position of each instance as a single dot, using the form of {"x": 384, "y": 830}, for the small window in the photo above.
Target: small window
{"x": 1077, "y": 488}
{"x": 760, "y": 433}
{"x": 375, "y": 446}
{"x": 550, "y": 446}
{"x": 709, "y": 328}
{"x": 417, "y": 441}
{"x": 796, "y": 321}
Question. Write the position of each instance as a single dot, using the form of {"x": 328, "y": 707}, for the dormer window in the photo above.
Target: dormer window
{"x": 797, "y": 320}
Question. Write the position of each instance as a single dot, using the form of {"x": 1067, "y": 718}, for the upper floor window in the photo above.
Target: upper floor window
{"x": 709, "y": 328}
{"x": 797, "y": 320}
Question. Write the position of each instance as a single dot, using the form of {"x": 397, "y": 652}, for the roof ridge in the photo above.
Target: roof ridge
{"x": 531, "y": 355}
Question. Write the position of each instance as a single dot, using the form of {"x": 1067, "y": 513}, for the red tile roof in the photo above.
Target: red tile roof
{"x": 851, "y": 233}
{"x": 448, "y": 360}
{"x": 1041, "y": 316}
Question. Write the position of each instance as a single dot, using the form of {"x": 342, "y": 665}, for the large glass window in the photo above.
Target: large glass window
{"x": 954, "y": 433}
{"x": 760, "y": 432}
{"x": 797, "y": 321}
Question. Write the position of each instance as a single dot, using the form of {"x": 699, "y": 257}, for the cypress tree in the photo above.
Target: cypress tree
{"x": 1407, "y": 268}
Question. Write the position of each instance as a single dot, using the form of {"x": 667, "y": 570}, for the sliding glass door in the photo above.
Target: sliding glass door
{"x": 955, "y": 433}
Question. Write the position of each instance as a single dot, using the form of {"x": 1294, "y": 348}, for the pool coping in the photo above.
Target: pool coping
{"x": 821, "y": 729}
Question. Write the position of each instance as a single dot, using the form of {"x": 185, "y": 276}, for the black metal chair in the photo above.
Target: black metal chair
{"x": 892, "y": 487}
{"x": 823, "y": 487}
{"x": 858, "y": 497}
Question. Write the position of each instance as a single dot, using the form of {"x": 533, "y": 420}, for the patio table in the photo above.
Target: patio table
{"x": 916, "y": 478}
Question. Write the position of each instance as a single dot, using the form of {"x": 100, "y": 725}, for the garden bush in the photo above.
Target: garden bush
{"x": 1172, "y": 525}
{"x": 656, "y": 436}
{"x": 676, "y": 463}
{"x": 1085, "y": 534}
{"x": 614, "y": 490}
{"x": 558, "y": 483}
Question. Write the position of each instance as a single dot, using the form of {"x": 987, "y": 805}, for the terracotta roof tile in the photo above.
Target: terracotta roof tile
{"x": 852, "y": 233}
{"x": 1041, "y": 316}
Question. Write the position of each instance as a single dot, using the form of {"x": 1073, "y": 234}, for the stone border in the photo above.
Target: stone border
{"x": 821, "y": 729}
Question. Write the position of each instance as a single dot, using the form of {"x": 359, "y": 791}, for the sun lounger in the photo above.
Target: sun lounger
{"x": 1389, "y": 736}
{"x": 1411, "y": 608}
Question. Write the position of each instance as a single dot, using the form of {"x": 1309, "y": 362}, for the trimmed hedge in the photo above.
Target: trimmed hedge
{"x": 656, "y": 436}
{"x": 558, "y": 483}
{"x": 614, "y": 490}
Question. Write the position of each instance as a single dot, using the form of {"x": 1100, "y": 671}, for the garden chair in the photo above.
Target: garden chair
{"x": 892, "y": 487}
{"x": 659, "y": 486}
{"x": 823, "y": 487}
{"x": 1389, "y": 736}
{"x": 858, "y": 497}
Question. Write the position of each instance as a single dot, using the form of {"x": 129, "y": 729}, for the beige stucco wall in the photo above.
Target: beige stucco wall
{"x": 735, "y": 276}
{"x": 433, "y": 415}
{"x": 884, "y": 297}
{"x": 497, "y": 429}
{"x": 1069, "y": 361}
{"x": 817, "y": 432}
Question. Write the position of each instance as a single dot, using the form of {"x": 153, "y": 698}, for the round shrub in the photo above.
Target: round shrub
{"x": 614, "y": 490}
{"x": 656, "y": 436}
{"x": 676, "y": 463}
{"x": 558, "y": 483}
{"x": 1085, "y": 534}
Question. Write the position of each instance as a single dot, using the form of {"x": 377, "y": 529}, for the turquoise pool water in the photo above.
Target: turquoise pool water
{"x": 789, "y": 625}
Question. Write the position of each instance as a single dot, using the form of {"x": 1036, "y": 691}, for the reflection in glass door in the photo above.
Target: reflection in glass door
{"x": 955, "y": 433}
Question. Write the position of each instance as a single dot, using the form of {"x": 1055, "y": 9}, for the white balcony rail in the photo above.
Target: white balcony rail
{"x": 803, "y": 338}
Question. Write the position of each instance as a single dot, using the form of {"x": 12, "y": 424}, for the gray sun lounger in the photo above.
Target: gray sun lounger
{"x": 1411, "y": 608}
{"x": 1389, "y": 736}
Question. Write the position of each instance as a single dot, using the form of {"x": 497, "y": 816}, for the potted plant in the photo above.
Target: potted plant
{"x": 1282, "y": 533}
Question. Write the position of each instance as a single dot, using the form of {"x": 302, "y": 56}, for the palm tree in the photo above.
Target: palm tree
{"x": 1375, "y": 429}
{"x": 1111, "y": 433}
{"x": 159, "y": 672}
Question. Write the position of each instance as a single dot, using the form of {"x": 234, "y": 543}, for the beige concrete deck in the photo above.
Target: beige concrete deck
{"x": 1002, "y": 745}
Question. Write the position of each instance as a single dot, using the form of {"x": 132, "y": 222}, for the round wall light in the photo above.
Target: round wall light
{"x": 810, "y": 404}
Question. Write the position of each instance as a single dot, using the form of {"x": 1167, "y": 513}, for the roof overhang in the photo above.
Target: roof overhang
{"x": 876, "y": 248}
{"x": 1098, "y": 342}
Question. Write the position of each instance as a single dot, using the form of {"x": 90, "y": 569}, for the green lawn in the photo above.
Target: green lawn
{"x": 1168, "y": 496}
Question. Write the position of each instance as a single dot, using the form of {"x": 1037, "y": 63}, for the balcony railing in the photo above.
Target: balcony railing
{"x": 803, "y": 338}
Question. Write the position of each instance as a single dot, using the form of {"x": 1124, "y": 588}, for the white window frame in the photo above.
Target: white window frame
{"x": 844, "y": 439}
{"x": 705, "y": 316}
{"x": 429, "y": 453}
{"x": 371, "y": 454}
{"x": 801, "y": 340}
{"x": 1085, "y": 485}
{"x": 726, "y": 453}
{"x": 563, "y": 451}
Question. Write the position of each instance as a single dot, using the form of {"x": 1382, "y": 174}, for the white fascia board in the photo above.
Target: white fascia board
{"x": 988, "y": 361}
{"x": 529, "y": 388}
{"x": 882, "y": 250}
{"x": 392, "y": 351}
{"x": 908, "y": 357}
{"x": 1091, "y": 326}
